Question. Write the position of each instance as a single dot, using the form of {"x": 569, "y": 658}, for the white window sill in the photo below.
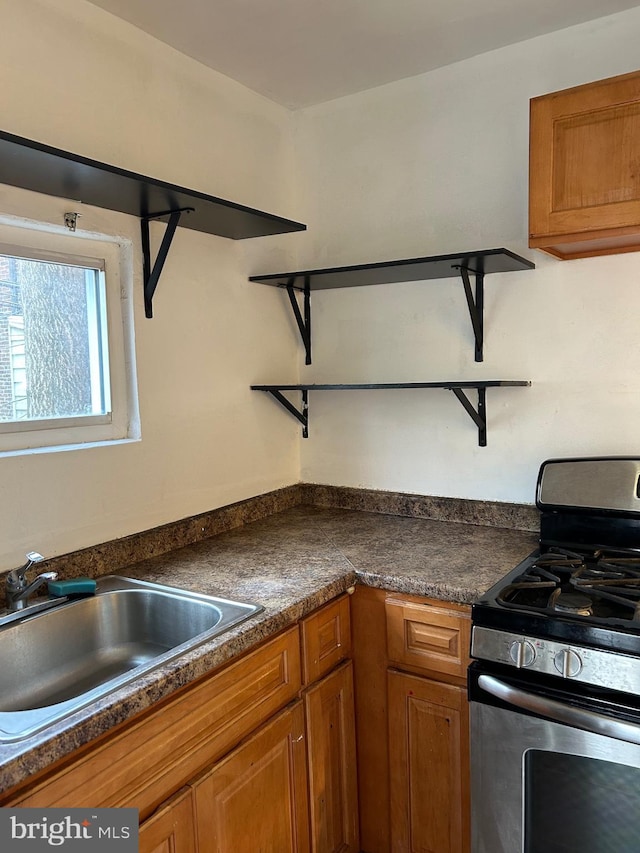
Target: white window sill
{"x": 61, "y": 448}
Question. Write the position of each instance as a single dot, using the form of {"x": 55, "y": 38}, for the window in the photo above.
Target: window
{"x": 65, "y": 362}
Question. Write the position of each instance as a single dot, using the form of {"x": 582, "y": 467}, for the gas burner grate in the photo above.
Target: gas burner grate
{"x": 607, "y": 585}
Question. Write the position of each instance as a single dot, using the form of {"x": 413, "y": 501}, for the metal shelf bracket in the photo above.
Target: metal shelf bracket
{"x": 475, "y": 304}
{"x": 479, "y": 415}
{"x": 301, "y": 414}
{"x": 303, "y": 318}
{"x": 151, "y": 275}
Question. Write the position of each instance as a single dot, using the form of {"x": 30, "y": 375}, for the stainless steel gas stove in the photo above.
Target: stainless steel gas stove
{"x": 555, "y": 684}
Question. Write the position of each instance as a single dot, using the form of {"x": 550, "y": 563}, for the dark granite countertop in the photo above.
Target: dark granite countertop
{"x": 291, "y": 563}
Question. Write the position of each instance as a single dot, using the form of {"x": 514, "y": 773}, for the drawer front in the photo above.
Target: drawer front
{"x": 428, "y": 638}
{"x": 326, "y": 639}
{"x": 148, "y": 761}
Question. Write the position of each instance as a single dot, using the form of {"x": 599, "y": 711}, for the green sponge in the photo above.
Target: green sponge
{"x": 73, "y": 586}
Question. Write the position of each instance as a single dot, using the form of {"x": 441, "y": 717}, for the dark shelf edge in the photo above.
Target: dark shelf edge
{"x": 87, "y": 181}
{"x": 493, "y": 383}
{"x": 280, "y": 279}
{"x": 477, "y": 413}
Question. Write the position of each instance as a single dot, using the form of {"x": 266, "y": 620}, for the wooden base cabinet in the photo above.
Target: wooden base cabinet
{"x": 240, "y": 772}
{"x": 333, "y": 786}
{"x": 428, "y": 765}
{"x": 412, "y": 725}
{"x": 255, "y": 799}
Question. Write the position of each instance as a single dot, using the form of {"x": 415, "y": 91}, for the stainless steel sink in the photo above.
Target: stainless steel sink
{"x": 60, "y": 660}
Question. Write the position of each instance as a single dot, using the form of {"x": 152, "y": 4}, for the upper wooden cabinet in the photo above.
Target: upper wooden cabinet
{"x": 584, "y": 169}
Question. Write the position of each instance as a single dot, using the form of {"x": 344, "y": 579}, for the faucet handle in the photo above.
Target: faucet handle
{"x": 33, "y": 557}
{"x": 16, "y": 577}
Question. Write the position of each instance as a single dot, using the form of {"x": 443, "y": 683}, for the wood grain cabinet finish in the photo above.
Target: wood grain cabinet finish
{"x": 255, "y": 799}
{"x": 584, "y": 169}
{"x": 170, "y": 829}
{"x": 326, "y": 639}
{"x": 428, "y": 637}
{"x": 333, "y": 786}
{"x": 429, "y": 765}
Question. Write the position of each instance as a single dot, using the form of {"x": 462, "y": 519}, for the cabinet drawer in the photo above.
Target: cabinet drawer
{"x": 143, "y": 764}
{"x": 326, "y": 639}
{"x": 428, "y": 637}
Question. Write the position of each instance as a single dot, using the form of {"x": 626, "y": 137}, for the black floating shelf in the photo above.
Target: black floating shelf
{"x": 33, "y": 166}
{"x": 43, "y": 169}
{"x": 478, "y": 415}
{"x": 461, "y": 265}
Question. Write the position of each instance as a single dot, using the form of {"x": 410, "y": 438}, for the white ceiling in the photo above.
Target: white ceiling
{"x": 303, "y": 52}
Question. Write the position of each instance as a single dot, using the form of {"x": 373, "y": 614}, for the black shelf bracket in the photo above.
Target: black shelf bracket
{"x": 303, "y": 318}
{"x": 301, "y": 414}
{"x": 475, "y": 304}
{"x": 478, "y": 264}
{"x": 479, "y": 415}
{"x": 151, "y": 275}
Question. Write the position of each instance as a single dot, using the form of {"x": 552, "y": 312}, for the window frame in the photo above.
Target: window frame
{"x": 113, "y": 257}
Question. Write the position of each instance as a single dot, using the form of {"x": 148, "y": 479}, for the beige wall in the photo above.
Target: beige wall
{"x": 434, "y": 164}
{"x": 76, "y": 78}
{"x": 438, "y": 164}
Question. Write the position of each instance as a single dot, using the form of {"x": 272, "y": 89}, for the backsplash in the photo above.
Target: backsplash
{"x": 117, "y": 554}
{"x": 484, "y": 513}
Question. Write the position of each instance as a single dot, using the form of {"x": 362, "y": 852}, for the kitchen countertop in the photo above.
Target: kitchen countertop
{"x": 290, "y": 563}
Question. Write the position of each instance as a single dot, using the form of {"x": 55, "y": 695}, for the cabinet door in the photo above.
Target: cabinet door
{"x": 429, "y": 765}
{"x": 584, "y": 180}
{"x": 255, "y": 799}
{"x": 331, "y": 750}
{"x": 170, "y": 829}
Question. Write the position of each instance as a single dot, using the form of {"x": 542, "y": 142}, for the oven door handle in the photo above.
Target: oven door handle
{"x": 588, "y": 720}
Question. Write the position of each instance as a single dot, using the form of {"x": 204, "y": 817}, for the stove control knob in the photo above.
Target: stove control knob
{"x": 568, "y": 663}
{"x": 522, "y": 653}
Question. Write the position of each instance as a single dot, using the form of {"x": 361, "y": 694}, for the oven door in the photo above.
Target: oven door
{"x": 549, "y": 774}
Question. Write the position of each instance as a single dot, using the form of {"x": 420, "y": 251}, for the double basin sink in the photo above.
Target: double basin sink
{"x": 60, "y": 660}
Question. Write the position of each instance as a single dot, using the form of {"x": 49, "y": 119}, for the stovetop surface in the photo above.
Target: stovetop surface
{"x": 587, "y": 596}
{"x": 583, "y": 586}
{"x": 599, "y": 585}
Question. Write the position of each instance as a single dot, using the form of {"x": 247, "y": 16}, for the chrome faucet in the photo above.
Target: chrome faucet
{"x": 16, "y": 587}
